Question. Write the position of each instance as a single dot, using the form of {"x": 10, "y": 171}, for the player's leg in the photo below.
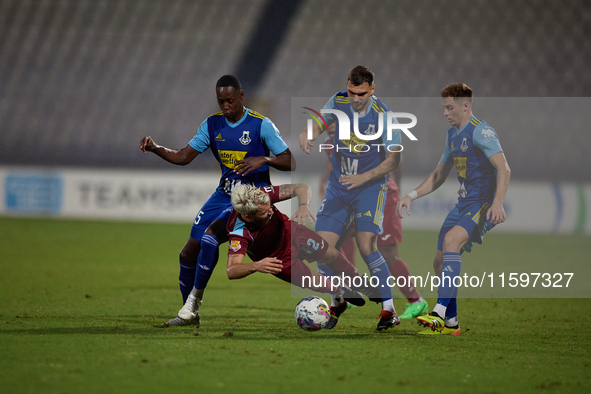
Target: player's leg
{"x": 346, "y": 242}
{"x": 445, "y": 313}
{"x": 331, "y": 221}
{"x": 416, "y": 305}
{"x": 368, "y": 208}
{"x": 366, "y": 242}
{"x": 388, "y": 240}
{"x": 214, "y": 235}
{"x": 190, "y": 253}
{"x": 457, "y": 235}
{"x": 188, "y": 266}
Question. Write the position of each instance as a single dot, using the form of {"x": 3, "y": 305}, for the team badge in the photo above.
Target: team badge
{"x": 245, "y": 139}
{"x": 235, "y": 246}
{"x": 464, "y": 146}
{"x": 371, "y": 130}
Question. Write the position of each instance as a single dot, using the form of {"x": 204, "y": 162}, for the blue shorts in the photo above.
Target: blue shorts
{"x": 218, "y": 206}
{"x": 340, "y": 206}
{"x": 472, "y": 218}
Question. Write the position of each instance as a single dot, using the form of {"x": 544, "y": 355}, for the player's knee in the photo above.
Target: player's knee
{"x": 189, "y": 255}
{"x": 390, "y": 254}
{"x": 452, "y": 242}
{"x": 330, "y": 256}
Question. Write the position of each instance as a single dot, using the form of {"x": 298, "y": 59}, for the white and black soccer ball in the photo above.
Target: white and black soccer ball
{"x": 312, "y": 313}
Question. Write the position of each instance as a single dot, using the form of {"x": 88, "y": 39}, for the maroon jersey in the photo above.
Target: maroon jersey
{"x": 274, "y": 240}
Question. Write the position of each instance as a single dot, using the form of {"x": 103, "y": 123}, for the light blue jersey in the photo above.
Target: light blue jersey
{"x": 470, "y": 149}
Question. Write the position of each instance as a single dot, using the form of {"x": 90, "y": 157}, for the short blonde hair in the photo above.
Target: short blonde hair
{"x": 247, "y": 198}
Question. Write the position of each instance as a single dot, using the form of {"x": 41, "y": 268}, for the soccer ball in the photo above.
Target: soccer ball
{"x": 312, "y": 313}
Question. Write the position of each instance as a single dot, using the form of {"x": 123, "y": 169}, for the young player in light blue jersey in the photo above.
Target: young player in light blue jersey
{"x": 357, "y": 184}
{"x": 483, "y": 172}
{"x": 241, "y": 140}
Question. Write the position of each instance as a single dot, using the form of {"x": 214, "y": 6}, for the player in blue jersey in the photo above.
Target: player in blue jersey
{"x": 357, "y": 183}
{"x": 242, "y": 141}
{"x": 474, "y": 148}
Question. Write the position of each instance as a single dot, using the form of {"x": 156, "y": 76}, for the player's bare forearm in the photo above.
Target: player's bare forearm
{"x": 304, "y": 194}
{"x": 430, "y": 184}
{"x": 434, "y": 180}
{"x": 305, "y": 142}
{"x": 499, "y": 161}
{"x": 302, "y": 191}
{"x": 389, "y": 164}
{"x": 496, "y": 213}
{"x": 235, "y": 268}
{"x": 283, "y": 161}
{"x": 175, "y": 156}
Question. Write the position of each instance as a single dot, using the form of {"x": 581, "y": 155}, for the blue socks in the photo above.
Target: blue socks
{"x": 378, "y": 268}
{"x": 186, "y": 278}
{"x": 206, "y": 262}
{"x": 452, "y": 266}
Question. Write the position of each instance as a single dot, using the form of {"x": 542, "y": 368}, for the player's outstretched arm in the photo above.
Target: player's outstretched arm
{"x": 304, "y": 194}
{"x": 175, "y": 156}
{"x": 305, "y": 142}
{"x": 430, "y": 184}
{"x": 237, "y": 270}
{"x": 283, "y": 162}
{"x": 496, "y": 213}
{"x": 390, "y": 163}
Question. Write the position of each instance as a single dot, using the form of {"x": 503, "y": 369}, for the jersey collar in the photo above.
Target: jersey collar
{"x": 247, "y": 110}
{"x": 466, "y": 125}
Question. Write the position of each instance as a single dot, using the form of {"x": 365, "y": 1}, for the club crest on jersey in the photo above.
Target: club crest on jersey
{"x": 235, "y": 246}
{"x": 245, "y": 139}
{"x": 371, "y": 130}
{"x": 464, "y": 146}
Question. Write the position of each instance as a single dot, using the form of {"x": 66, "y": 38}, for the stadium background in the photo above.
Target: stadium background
{"x": 81, "y": 81}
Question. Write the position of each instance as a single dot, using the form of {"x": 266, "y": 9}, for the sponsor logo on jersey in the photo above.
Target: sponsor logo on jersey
{"x": 245, "y": 139}
{"x": 235, "y": 246}
{"x": 355, "y": 145}
{"x": 367, "y": 214}
{"x": 229, "y": 158}
{"x": 461, "y": 165}
{"x": 219, "y": 137}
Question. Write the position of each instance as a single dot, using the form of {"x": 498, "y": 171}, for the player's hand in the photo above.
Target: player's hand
{"x": 405, "y": 202}
{"x": 353, "y": 180}
{"x": 268, "y": 265}
{"x": 302, "y": 214}
{"x": 249, "y": 164}
{"x": 496, "y": 213}
{"x": 305, "y": 143}
{"x": 147, "y": 144}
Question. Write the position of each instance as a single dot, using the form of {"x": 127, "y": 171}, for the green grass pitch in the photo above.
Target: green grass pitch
{"x": 78, "y": 302}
